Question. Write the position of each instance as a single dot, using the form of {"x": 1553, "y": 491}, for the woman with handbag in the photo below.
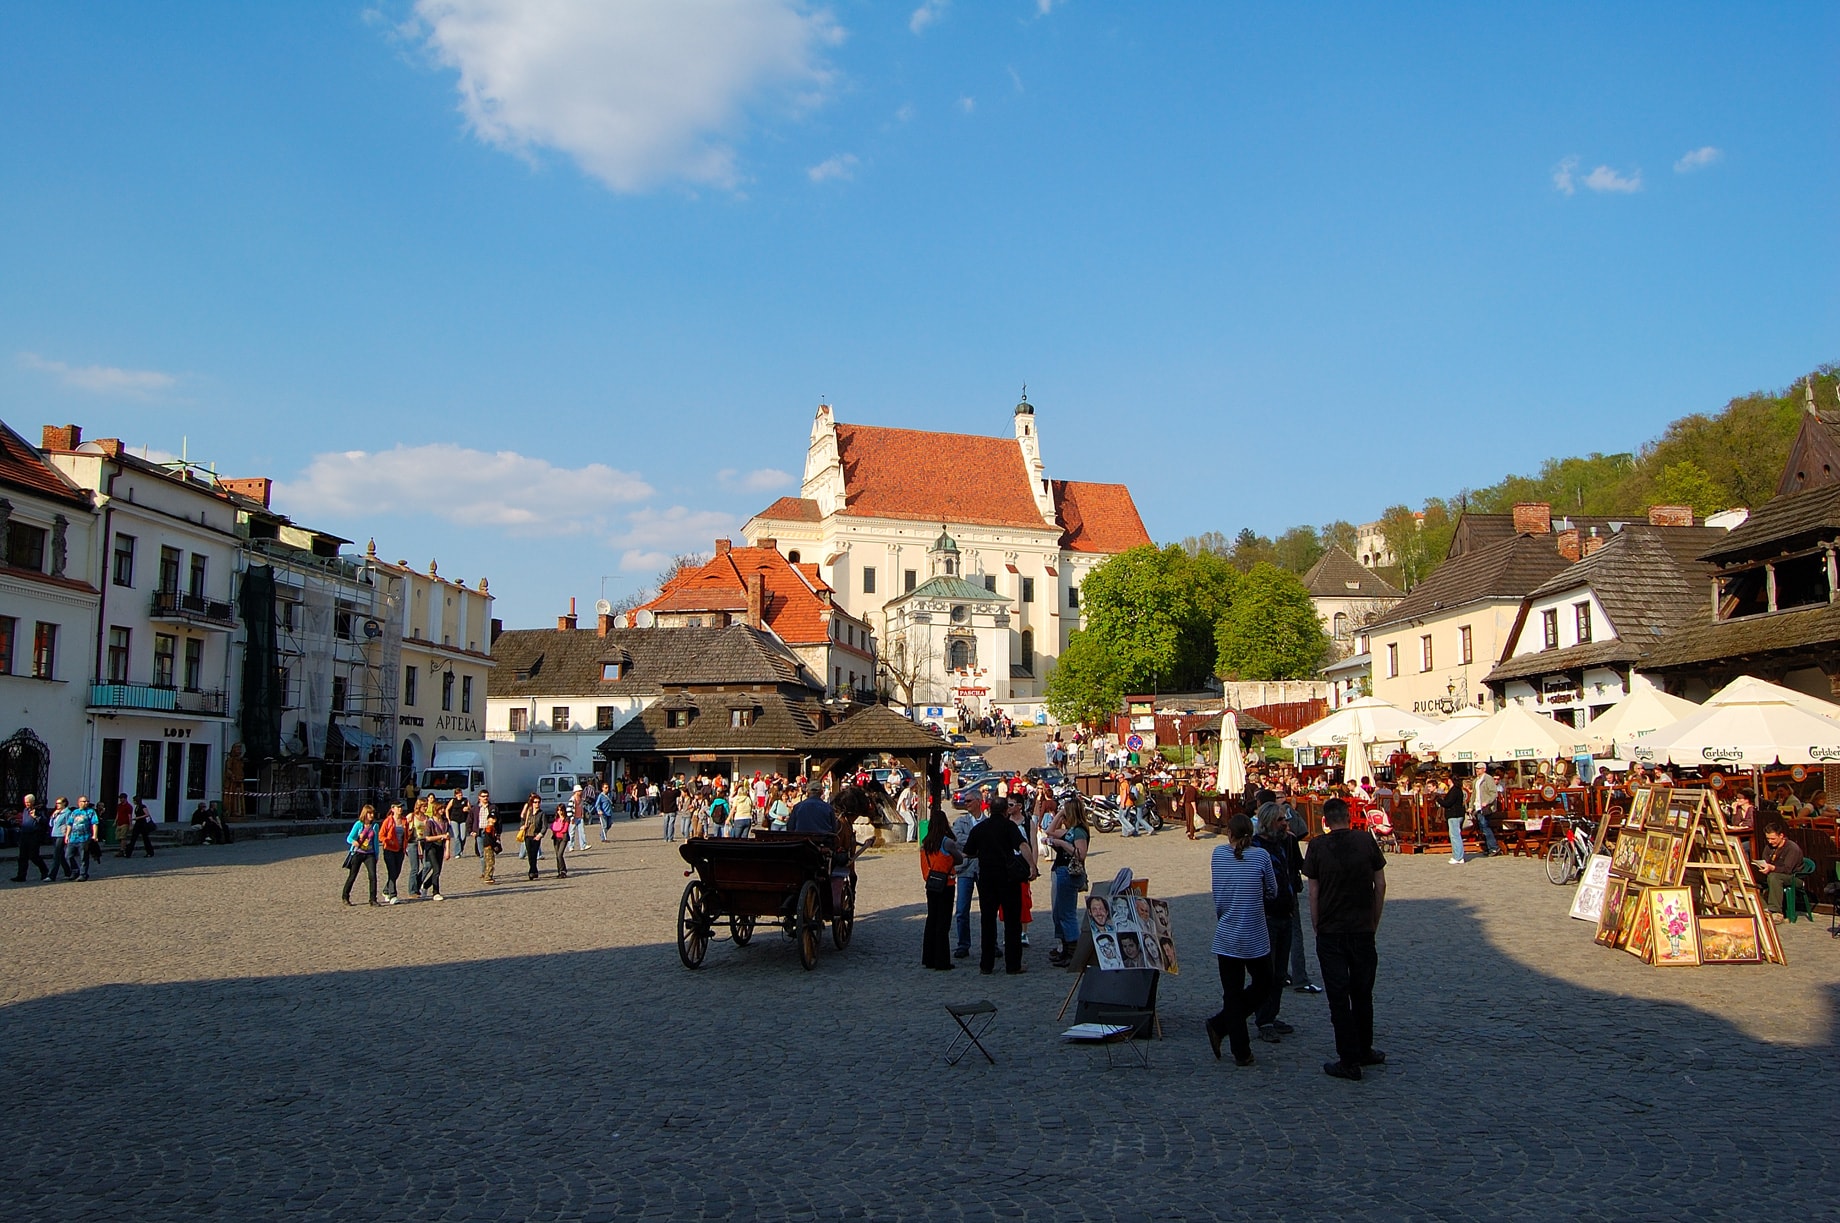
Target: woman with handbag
{"x": 436, "y": 835}
{"x": 530, "y": 831}
{"x": 1069, "y": 838}
{"x": 559, "y": 834}
{"x": 361, "y": 852}
{"x": 939, "y": 861}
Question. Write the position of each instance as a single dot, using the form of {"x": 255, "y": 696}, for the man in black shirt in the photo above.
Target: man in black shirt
{"x": 1347, "y": 875}
{"x": 996, "y": 842}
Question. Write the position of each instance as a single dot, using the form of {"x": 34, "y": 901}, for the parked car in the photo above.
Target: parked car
{"x": 974, "y": 796}
{"x": 1054, "y": 777}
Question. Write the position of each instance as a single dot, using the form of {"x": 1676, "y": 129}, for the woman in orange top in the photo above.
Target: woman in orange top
{"x": 940, "y": 859}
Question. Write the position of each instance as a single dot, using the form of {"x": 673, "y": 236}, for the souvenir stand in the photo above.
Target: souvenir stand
{"x": 1679, "y": 891}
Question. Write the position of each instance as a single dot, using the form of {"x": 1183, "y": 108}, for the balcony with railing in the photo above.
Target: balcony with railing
{"x": 192, "y": 609}
{"x": 155, "y": 698}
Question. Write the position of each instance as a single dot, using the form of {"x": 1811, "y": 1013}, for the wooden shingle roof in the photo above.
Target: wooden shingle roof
{"x": 1340, "y": 576}
{"x": 568, "y": 662}
{"x": 1508, "y": 569}
{"x": 782, "y": 724}
{"x": 877, "y": 728}
{"x": 1780, "y": 525}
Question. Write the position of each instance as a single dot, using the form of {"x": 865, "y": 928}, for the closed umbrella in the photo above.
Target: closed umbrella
{"x": 1513, "y": 733}
{"x": 1232, "y": 775}
{"x": 1643, "y": 712}
{"x": 1355, "y": 765}
{"x": 1369, "y": 717}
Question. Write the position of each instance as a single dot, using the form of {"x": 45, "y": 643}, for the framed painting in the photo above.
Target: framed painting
{"x": 1673, "y": 928}
{"x": 1651, "y": 870}
{"x": 1638, "y": 809}
{"x": 1656, "y": 813}
{"x": 1610, "y": 917}
{"x": 1728, "y": 940}
{"x": 1638, "y": 924}
{"x": 1676, "y": 861}
{"x": 1588, "y": 901}
{"x": 1626, "y": 855}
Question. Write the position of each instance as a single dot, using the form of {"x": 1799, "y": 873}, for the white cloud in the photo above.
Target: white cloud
{"x": 1015, "y": 78}
{"x": 652, "y": 536}
{"x": 473, "y": 488}
{"x": 1698, "y": 159}
{"x": 842, "y": 166}
{"x": 905, "y": 113}
{"x": 1605, "y": 179}
{"x": 101, "y": 379}
{"x": 637, "y": 93}
{"x": 1562, "y": 176}
{"x": 1044, "y": 7}
{"x": 762, "y": 480}
{"x": 967, "y": 104}
{"x": 928, "y": 12}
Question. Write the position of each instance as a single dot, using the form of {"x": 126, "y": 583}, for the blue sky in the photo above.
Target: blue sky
{"x": 549, "y": 290}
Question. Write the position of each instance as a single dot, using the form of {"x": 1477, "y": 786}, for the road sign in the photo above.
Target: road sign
{"x": 1135, "y": 743}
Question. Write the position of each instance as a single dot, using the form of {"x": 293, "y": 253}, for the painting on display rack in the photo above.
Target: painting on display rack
{"x": 1672, "y": 928}
{"x": 1588, "y": 903}
{"x": 1728, "y": 940}
{"x": 1610, "y": 921}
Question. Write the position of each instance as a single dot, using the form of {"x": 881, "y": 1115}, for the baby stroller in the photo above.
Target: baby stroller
{"x": 1380, "y": 823}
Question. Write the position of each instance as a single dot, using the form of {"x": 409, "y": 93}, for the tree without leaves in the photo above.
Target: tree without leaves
{"x": 902, "y": 665}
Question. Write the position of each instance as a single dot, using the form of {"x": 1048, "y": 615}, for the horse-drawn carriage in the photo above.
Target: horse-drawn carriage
{"x": 801, "y": 882}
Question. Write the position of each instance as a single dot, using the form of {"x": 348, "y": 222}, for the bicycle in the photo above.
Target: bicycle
{"x": 1569, "y": 855}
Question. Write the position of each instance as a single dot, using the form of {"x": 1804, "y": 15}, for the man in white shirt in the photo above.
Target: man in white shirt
{"x": 1488, "y": 794}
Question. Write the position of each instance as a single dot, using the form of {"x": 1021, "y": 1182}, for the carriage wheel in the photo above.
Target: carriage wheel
{"x": 694, "y": 925}
{"x": 741, "y": 929}
{"x": 809, "y": 920}
{"x": 845, "y": 922}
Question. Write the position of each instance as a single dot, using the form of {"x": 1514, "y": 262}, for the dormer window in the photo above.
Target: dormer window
{"x": 740, "y": 719}
{"x": 612, "y": 670}
{"x": 677, "y": 719}
{"x": 1583, "y": 611}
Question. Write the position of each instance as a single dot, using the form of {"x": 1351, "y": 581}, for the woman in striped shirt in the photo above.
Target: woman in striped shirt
{"x": 1243, "y": 881}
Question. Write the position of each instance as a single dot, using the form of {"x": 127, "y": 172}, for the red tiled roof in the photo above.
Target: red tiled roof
{"x": 1097, "y": 517}
{"x": 935, "y": 477}
{"x": 793, "y": 608}
{"x": 21, "y": 467}
{"x": 792, "y": 509}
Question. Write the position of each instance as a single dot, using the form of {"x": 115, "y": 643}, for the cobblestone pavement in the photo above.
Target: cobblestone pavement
{"x": 224, "y": 1039}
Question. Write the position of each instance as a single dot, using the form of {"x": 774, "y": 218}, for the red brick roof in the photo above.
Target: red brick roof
{"x": 792, "y": 509}
{"x": 1097, "y": 517}
{"x": 23, "y": 468}
{"x": 935, "y": 477}
{"x": 793, "y": 609}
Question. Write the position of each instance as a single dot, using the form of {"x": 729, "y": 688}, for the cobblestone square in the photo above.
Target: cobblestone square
{"x": 216, "y": 1036}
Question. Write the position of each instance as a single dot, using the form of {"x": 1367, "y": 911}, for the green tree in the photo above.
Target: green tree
{"x": 1271, "y": 631}
{"x": 1298, "y": 548}
{"x": 1686, "y": 483}
{"x": 1343, "y": 535}
{"x": 1250, "y": 548}
{"x": 1086, "y": 685}
{"x": 1154, "y": 610}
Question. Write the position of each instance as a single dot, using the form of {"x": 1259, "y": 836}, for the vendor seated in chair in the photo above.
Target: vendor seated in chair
{"x": 1780, "y": 868}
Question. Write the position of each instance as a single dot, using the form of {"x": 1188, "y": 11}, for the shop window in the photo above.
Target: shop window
{"x": 1466, "y": 646}
{"x": 9, "y": 628}
{"x": 1549, "y": 626}
{"x": 1583, "y": 611}
{"x": 147, "y": 770}
{"x": 1801, "y": 581}
{"x": 25, "y": 546}
{"x": 120, "y": 654}
{"x": 197, "y": 770}
{"x": 194, "y": 665}
{"x": 165, "y": 659}
{"x": 603, "y": 717}
{"x": 868, "y": 579}
{"x": 520, "y": 720}
{"x": 909, "y": 579}
{"x": 124, "y": 560}
{"x": 1028, "y": 590}
{"x": 559, "y": 717}
{"x": 169, "y": 569}
{"x": 1424, "y": 653}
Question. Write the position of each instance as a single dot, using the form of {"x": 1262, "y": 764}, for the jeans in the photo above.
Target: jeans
{"x": 1238, "y": 1000}
{"x": 741, "y": 826}
{"x": 1279, "y": 929}
{"x": 363, "y": 862}
{"x": 1489, "y": 844}
{"x": 1065, "y": 907}
{"x": 994, "y": 894}
{"x": 60, "y": 862}
{"x": 392, "y": 867}
{"x": 432, "y": 855}
{"x": 1300, "y": 972}
{"x": 961, "y": 913}
{"x": 1455, "y": 824}
{"x": 606, "y": 823}
{"x": 1132, "y": 822}
{"x": 670, "y": 825}
{"x": 909, "y": 821}
{"x": 76, "y": 865}
{"x": 457, "y": 830}
{"x": 578, "y": 834}
{"x": 1349, "y": 965}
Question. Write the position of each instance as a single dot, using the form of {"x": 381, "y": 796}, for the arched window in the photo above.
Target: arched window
{"x": 950, "y": 563}
{"x": 1341, "y": 625}
{"x": 1028, "y": 650}
{"x": 959, "y": 656}
{"x": 793, "y": 556}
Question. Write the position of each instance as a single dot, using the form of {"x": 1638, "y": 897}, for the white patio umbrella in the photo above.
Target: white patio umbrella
{"x": 1745, "y": 734}
{"x": 1443, "y": 732}
{"x": 1748, "y": 688}
{"x": 1513, "y": 733}
{"x": 1369, "y": 717}
{"x": 1643, "y": 712}
{"x": 1231, "y": 778}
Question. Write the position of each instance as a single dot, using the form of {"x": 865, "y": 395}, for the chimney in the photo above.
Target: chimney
{"x": 1592, "y": 542}
{"x": 568, "y": 621}
{"x": 605, "y": 624}
{"x": 62, "y": 437}
{"x": 1568, "y": 544}
{"x": 1533, "y": 518}
{"x": 498, "y": 627}
{"x": 110, "y": 446}
{"x": 1670, "y": 515}
{"x": 256, "y": 488}
{"x": 722, "y": 547}
{"x": 757, "y": 599}
{"x": 767, "y": 542}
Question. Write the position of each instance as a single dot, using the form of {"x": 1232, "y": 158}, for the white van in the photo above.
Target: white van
{"x": 553, "y": 788}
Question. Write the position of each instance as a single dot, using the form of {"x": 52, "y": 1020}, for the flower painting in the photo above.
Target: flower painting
{"x": 1672, "y": 928}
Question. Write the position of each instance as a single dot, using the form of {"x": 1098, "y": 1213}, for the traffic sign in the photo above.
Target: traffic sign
{"x": 1135, "y": 743}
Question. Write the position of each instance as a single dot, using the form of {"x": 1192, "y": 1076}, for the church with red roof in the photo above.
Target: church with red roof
{"x": 875, "y": 500}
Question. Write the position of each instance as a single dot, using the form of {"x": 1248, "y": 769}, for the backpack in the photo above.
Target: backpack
{"x": 718, "y": 809}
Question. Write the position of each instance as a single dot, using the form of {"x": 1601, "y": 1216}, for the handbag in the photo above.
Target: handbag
{"x": 938, "y": 879}
{"x": 1018, "y": 869}
{"x": 351, "y": 860}
{"x": 1076, "y": 875}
